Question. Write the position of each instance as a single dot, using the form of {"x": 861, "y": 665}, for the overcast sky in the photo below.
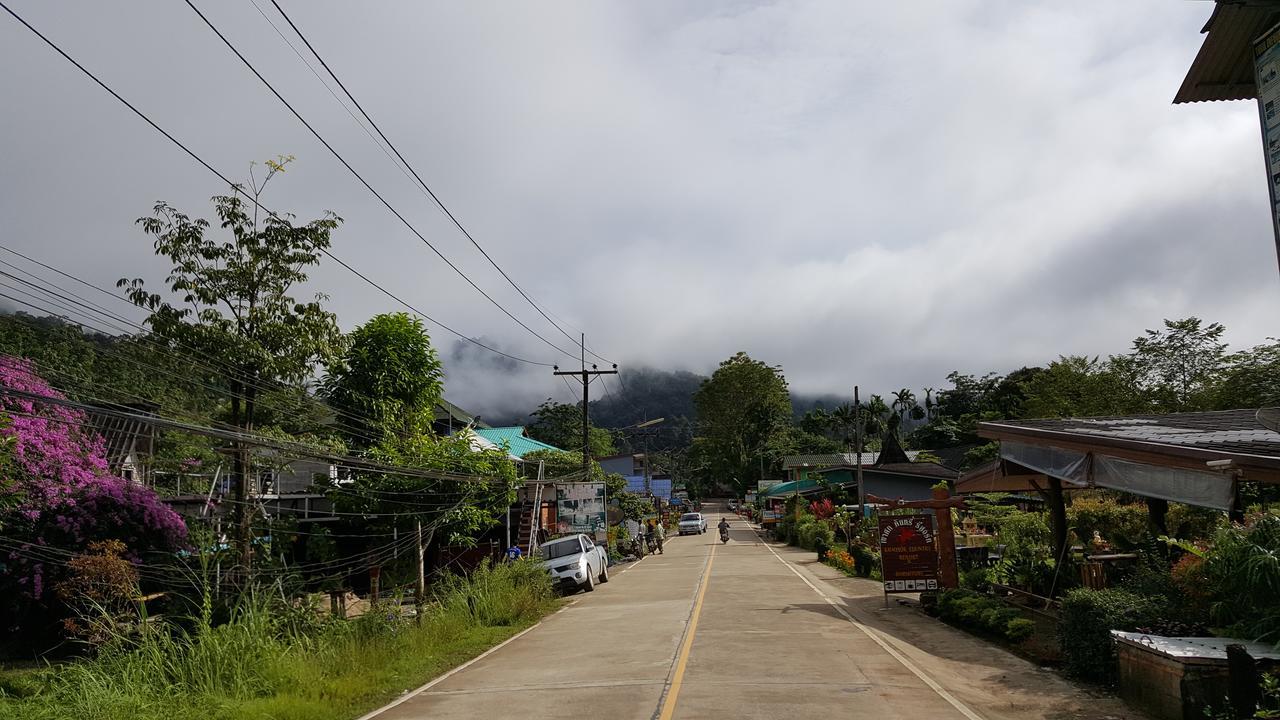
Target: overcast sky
{"x": 871, "y": 193}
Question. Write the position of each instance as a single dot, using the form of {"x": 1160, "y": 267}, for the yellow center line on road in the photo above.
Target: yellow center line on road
{"x": 682, "y": 660}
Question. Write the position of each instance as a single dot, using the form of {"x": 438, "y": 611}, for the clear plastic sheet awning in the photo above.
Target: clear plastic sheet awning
{"x": 1067, "y": 465}
{"x": 1193, "y": 487}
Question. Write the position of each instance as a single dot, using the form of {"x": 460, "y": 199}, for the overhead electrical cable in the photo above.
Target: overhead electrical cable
{"x": 368, "y": 186}
{"x": 422, "y": 183}
{"x": 145, "y": 118}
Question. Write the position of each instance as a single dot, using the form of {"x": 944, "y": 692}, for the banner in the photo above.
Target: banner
{"x": 908, "y": 553}
{"x": 580, "y": 508}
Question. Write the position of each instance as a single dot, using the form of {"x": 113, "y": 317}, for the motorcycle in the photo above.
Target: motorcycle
{"x": 724, "y": 535}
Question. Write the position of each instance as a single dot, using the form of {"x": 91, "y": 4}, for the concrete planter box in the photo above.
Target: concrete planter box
{"x": 1176, "y": 678}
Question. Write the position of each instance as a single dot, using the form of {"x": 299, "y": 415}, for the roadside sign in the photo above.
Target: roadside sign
{"x": 751, "y": 498}
{"x": 908, "y": 553}
{"x": 1266, "y": 67}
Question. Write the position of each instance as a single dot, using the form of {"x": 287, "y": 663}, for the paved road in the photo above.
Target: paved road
{"x": 745, "y": 630}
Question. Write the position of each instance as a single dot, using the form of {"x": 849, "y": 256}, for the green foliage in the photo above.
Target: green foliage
{"x": 980, "y": 455}
{"x": 1080, "y": 386}
{"x": 1089, "y": 616}
{"x": 742, "y": 409}
{"x": 232, "y": 297}
{"x": 559, "y": 463}
{"x": 453, "y": 507}
{"x": 560, "y": 424}
{"x": 977, "y": 579}
{"x": 1177, "y": 366}
{"x": 387, "y": 382}
{"x": 983, "y": 612}
{"x": 1027, "y": 561}
{"x": 1124, "y": 525}
{"x": 1242, "y": 570}
{"x": 1194, "y": 523}
{"x": 1250, "y": 378}
{"x": 633, "y": 506}
{"x": 287, "y": 659}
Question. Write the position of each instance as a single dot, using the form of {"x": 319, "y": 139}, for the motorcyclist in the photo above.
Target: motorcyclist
{"x": 724, "y": 526}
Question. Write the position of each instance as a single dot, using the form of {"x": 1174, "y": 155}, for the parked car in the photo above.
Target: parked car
{"x": 575, "y": 562}
{"x": 692, "y": 524}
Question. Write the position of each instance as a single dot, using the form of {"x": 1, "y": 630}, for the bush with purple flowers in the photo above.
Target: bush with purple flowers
{"x": 57, "y": 493}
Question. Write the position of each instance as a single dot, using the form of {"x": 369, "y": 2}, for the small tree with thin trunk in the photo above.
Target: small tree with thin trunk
{"x": 229, "y": 300}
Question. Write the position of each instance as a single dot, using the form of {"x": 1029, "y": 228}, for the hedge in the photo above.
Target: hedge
{"x": 973, "y": 609}
{"x": 1089, "y": 616}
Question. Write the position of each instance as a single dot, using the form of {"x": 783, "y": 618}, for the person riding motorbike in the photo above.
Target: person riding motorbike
{"x": 724, "y": 529}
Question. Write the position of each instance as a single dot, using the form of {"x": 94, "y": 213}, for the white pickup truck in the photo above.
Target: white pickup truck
{"x": 575, "y": 562}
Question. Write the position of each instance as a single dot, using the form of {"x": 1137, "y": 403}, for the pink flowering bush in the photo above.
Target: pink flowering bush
{"x": 58, "y": 494}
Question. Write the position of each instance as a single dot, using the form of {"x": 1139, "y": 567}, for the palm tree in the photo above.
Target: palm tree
{"x": 903, "y": 401}
{"x": 876, "y": 412}
{"x": 929, "y": 404}
{"x": 843, "y": 419}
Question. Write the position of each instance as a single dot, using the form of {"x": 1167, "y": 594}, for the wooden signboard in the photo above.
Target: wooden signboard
{"x": 908, "y": 553}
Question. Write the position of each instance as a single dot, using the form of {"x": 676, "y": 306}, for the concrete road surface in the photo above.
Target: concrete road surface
{"x": 745, "y": 630}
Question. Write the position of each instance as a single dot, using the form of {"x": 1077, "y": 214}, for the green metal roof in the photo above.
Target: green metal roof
{"x": 789, "y": 488}
{"x": 513, "y": 439}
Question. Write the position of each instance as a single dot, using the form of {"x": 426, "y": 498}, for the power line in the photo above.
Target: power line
{"x": 422, "y": 183}
{"x": 364, "y": 182}
{"x": 145, "y": 118}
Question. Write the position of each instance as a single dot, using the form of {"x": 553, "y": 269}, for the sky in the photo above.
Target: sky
{"x": 863, "y": 193}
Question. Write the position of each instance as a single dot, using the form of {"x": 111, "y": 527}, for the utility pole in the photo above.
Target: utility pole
{"x": 586, "y": 377}
{"x": 857, "y": 435}
{"x": 420, "y": 590}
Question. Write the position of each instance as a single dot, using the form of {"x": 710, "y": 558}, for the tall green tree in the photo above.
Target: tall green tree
{"x": 743, "y": 408}
{"x": 1178, "y": 364}
{"x": 560, "y": 424}
{"x": 1079, "y": 386}
{"x": 388, "y": 381}
{"x": 1249, "y": 379}
{"x": 230, "y": 300}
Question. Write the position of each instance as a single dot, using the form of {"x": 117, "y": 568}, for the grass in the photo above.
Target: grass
{"x": 279, "y": 662}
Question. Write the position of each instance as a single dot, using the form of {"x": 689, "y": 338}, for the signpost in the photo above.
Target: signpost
{"x": 908, "y": 553}
{"x": 1266, "y": 66}
{"x": 581, "y": 509}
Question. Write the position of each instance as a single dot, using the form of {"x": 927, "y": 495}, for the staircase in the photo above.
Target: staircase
{"x": 530, "y": 523}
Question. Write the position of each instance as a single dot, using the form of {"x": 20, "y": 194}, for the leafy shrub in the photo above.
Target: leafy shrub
{"x": 1193, "y": 523}
{"x": 866, "y": 560}
{"x": 1089, "y": 616}
{"x": 1125, "y": 526}
{"x": 983, "y": 612}
{"x": 1028, "y": 559}
{"x": 841, "y": 560}
{"x": 1242, "y": 568}
{"x": 978, "y": 579}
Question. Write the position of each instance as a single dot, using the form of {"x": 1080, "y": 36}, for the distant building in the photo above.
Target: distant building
{"x": 513, "y": 439}
{"x": 801, "y": 467}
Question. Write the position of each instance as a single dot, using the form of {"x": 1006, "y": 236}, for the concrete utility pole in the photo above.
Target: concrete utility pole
{"x": 585, "y": 377}
{"x": 857, "y": 441}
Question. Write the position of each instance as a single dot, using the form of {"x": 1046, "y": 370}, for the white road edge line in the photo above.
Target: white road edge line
{"x": 874, "y": 635}
{"x": 450, "y": 673}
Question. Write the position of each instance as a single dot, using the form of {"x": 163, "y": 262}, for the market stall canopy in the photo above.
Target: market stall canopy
{"x": 1223, "y": 69}
{"x": 1157, "y": 456}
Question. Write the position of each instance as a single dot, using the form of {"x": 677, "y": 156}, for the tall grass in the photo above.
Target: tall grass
{"x": 282, "y": 660}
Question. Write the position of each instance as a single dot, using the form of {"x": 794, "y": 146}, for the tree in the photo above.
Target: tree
{"x": 1249, "y": 379}
{"x": 387, "y": 383}
{"x": 560, "y": 424}
{"x": 1177, "y": 365}
{"x": 742, "y": 408}
{"x": 233, "y": 303}
{"x": 476, "y": 492}
{"x": 903, "y": 401}
{"x": 1079, "y": 386}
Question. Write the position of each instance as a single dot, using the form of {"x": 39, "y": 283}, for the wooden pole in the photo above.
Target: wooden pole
{"x": 948, "y": 575}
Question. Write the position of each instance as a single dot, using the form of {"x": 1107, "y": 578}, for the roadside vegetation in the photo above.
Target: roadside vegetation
{"x": 283, "y": 660}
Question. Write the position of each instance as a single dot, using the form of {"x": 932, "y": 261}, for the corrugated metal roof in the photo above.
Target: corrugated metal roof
{"x": 790, "y": 462}
{"x": 513, "y": 439}
{"x": 1223, "y": 69}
